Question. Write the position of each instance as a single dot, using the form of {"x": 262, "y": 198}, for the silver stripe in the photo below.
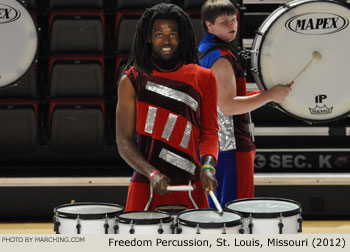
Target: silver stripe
{"x": 169, "y": 126}
{"x": 173, "y": 94}
{"x": 177, "y": 160}
{"x": 151, "y": 117}
{"x": 187, "y": 135}
{"x": 227, "y": 140}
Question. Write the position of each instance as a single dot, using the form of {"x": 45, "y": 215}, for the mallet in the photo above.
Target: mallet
{"x": 216, "y": 202}
{"x": 315, "y": 56}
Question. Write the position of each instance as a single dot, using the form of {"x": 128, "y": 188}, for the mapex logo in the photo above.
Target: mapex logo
{"x": 8, "y": 14}
{"x": 317, "y": 23}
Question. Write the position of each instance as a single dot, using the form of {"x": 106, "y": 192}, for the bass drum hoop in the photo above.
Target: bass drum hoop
{"x": 208, "y": 225}
{"x": 88, "y": 216}
{"x": 266, "y": 215}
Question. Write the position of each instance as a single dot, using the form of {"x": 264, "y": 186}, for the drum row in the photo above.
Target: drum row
{"x": 244, "y": 216}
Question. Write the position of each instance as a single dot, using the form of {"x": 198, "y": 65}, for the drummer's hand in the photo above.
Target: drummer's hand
{"x": 279, "y": 92}
{"x": 208, "y": 180}
{"x": 159, "y": 183}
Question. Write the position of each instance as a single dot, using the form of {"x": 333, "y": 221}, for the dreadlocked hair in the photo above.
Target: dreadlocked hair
{"x": 141, "y": 50}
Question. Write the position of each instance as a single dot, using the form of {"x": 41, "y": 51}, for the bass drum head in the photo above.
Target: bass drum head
{"x": 285, "y": 44}
{"x": 264, "y": 207}
{"x": 209, "y": 218}
{"x": 88, "y": 210}
{"x": 18, "y": 40}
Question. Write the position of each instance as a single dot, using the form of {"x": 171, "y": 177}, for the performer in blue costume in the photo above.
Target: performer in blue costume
{"x": 235, "y": 166}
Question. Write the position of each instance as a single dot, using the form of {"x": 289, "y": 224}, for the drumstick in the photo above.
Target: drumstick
{"x": 216, "y": 202}
{"x": 315, "y": 56}
{"x": 181, "y": 188}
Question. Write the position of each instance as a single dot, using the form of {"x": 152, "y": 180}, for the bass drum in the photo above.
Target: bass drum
{"x": 18, "y": 40}
{"x": 284, "y": 45}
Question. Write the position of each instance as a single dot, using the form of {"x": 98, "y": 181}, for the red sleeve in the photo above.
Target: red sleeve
{"x": 209, "y": 139}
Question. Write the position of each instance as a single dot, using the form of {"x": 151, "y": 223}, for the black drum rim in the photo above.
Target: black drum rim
{"x": 88, "y": 215}
{"x": 209, "y": 225}
{"x": 166, "y": 219}
{"x": 266, "y": 215}
{"x": 170, "y": 210}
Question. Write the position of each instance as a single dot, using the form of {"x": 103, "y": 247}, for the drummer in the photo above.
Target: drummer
{"x": 235, "y": 167}
{"x": 170, "y": 102}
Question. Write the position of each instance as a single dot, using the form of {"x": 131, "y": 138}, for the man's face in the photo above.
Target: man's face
{"x": 165, "y": 38}
{"x": 224, "y": 27}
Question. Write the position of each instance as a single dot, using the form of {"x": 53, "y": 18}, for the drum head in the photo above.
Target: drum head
{"x": 209, "y": 218}
{"x": 88, "y": 210}
{"x": 264, "y": 207}
{"x": 144, "y": 217}
{"x": 171, "y": 209}
{"x": 18, "y": 40}
{"x": 285, "y": 44}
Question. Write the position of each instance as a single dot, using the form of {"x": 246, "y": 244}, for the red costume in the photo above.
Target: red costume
{"x": 176, "y": 119}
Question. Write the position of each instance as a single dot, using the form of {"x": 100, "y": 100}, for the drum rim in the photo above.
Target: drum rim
{"x": 209, "y": 225}
{"x": 170, "y": 211}
{"x": 36, "y": 49}
{"x": 266, "y": 215}
{"x": 258, "y": 75}
{"x": 123, "y": 220}
{"x": 87, "y": 215}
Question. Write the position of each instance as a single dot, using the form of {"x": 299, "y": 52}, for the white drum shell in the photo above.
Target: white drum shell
{"x": 144, "y": 222}
{"x": 193, "y": 230}
{"x": 270, "y": 225}
{"x": 125, "y": 228}
{"x": 88, "y": 226}
{"x": 266, "y": 213}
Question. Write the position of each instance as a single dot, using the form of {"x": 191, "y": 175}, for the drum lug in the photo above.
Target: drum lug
{"x": 224, "y": 229}
{"x": 106, "y": 226}
{"x": 198, "y": 229}
{"x": 178, "y": 230}
{"x": 259, "y": 33}
{"x": 250, "y": 225}
{"x": 116, "y": 227}
{"x": 173, "y": 226}
{"x": 300, "y": 221}
{"x": 280, "y": 225}
{"x": 56, "y": 226}
{"x": 78, "y": 226}
{"x": 56, "y": 223}
{"x": 241, "y": 230}
{"x": 160, "y": 229}
{"x": 254, "y": 70}
{"x": 245, "y": 54}
{"x": 132, "y": 229}
{"x": 286, "y": 5}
